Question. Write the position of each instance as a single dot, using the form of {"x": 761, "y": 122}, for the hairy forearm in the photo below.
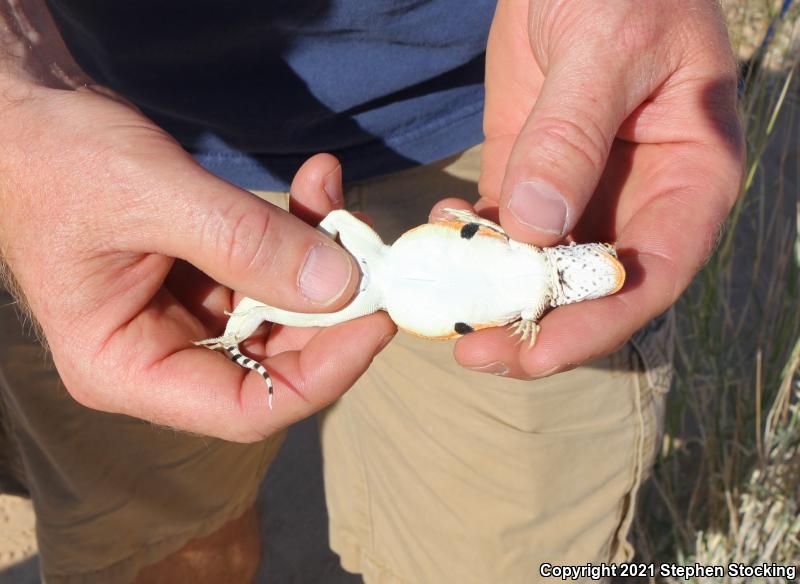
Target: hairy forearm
{"x": 32, "y": 57}
{"x": 14, "y": 73}
{"x": 32, "y": 52}
{"x": 9, "y": 283}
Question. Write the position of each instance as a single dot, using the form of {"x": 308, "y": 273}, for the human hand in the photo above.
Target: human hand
{"x": 607, "y": 121}
{"x": 97, "y": 204}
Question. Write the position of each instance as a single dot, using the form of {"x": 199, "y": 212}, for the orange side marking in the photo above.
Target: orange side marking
{"x": 620, "y": 269}
{"x": 447, "y": 337}
{"x": 486, "y": 232}
{"x": 454, "y": 335}
{"x": 457, "y": 225}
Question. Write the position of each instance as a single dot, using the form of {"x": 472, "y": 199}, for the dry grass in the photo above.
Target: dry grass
{"x": 727, "y": 485}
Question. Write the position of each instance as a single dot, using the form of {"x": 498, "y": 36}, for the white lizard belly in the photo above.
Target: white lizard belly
{"x": 433, "y": 278}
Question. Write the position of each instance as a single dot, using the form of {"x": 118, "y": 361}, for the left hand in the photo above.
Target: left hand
{"x": 607, "y": 121}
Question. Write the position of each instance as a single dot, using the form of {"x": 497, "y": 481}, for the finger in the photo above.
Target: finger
{"x": 493, "y": 350}
{"x": 247, "y": 244}
{"x": 559, "y": 155}
{"x": 590, "y": 87}
{"x": 272, "y": 339}
{"x": 327, "y": 366}
{"x": 437, "y": 212}
{"x": 202, "y": 391}
{"x": 200, "y": 295}
{"x": 317, "y": 188}
{"x": 486, "y": 208}
{"x": 364, "y": 218}
{"x": 308, "y": 380}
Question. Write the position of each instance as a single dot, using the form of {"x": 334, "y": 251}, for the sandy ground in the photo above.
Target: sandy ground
{"x": 18, "y": 563}
{"x": 293, "y": 522}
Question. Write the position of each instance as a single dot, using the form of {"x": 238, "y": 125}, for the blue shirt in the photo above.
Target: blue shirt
{"x": 252, "y": 88}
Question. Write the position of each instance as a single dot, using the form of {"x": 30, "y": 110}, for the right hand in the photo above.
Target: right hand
{"x": 97, "y": 204}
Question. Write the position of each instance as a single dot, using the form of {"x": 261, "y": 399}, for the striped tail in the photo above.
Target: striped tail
{"x": 243, "y": 361}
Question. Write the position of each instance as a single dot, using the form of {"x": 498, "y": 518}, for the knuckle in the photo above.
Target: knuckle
{"x": 635, "y": 32}
{"x": 575, "y": 135}
{"x": 239, "y": 236}
{"x": 128, "y": 154}
{"x": 83, "y": 394}
{"x": 619, "y": 31}
{"x": 552, "y": 21}
{"x": 84, "y": 398}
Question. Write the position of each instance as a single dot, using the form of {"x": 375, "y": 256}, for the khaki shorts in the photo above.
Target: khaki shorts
{"x": 433, "y": 474}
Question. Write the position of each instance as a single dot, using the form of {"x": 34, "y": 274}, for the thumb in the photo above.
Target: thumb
{"x": 560, "y": 152}
{"x": 248, "y": 244}
{"x": 601, "y": 61}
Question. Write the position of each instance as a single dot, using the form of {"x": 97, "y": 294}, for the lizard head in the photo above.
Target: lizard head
{"x": 584, "y": 272}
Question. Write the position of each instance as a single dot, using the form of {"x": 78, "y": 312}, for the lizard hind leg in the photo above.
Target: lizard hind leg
{"x": 356, "y": 236}
{"x": 213, "y": 344}
{"x": 243, "y": 361}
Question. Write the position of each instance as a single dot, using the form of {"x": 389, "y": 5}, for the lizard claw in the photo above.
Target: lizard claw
{"x": 527, "y": 329}
{"x": 216, "y": 343}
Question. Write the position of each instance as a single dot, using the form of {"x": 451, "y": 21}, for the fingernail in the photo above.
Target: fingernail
{"x": 495, "y": 368}
{"x": 539, "y": 206}
{"x": 325, "y": 274}
{"x": 332, "y": 185}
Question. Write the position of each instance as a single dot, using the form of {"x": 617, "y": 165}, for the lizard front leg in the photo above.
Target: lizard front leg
{"x": 356, "y": 236}
{"x": 528, "y": 325}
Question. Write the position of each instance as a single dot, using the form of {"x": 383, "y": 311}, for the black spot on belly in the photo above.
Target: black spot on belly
{"x": 469, "y": 230}
{"x": 463, "y": 328}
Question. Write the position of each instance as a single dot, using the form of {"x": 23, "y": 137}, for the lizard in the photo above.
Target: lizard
{"x": 443, "y": 279}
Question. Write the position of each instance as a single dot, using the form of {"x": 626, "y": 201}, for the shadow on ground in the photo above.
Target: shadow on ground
{"x": 294, "y": 521}
{"x": 25, "y": 572}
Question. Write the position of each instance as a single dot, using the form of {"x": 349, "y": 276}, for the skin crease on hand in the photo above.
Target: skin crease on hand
{"x": 97, "y": 205}
{"x": 606, "y": 121}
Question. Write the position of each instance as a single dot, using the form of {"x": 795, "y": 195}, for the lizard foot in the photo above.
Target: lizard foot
{"x": 527, "y": 329}
{"x": 215, "y": 343}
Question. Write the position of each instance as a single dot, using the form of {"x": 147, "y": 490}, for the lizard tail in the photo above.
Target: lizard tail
{"x": 244, "y": 361}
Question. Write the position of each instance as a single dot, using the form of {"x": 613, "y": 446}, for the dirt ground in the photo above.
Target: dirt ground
{"x": 17, "y": 541}
{"x": 293, "y": 522}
